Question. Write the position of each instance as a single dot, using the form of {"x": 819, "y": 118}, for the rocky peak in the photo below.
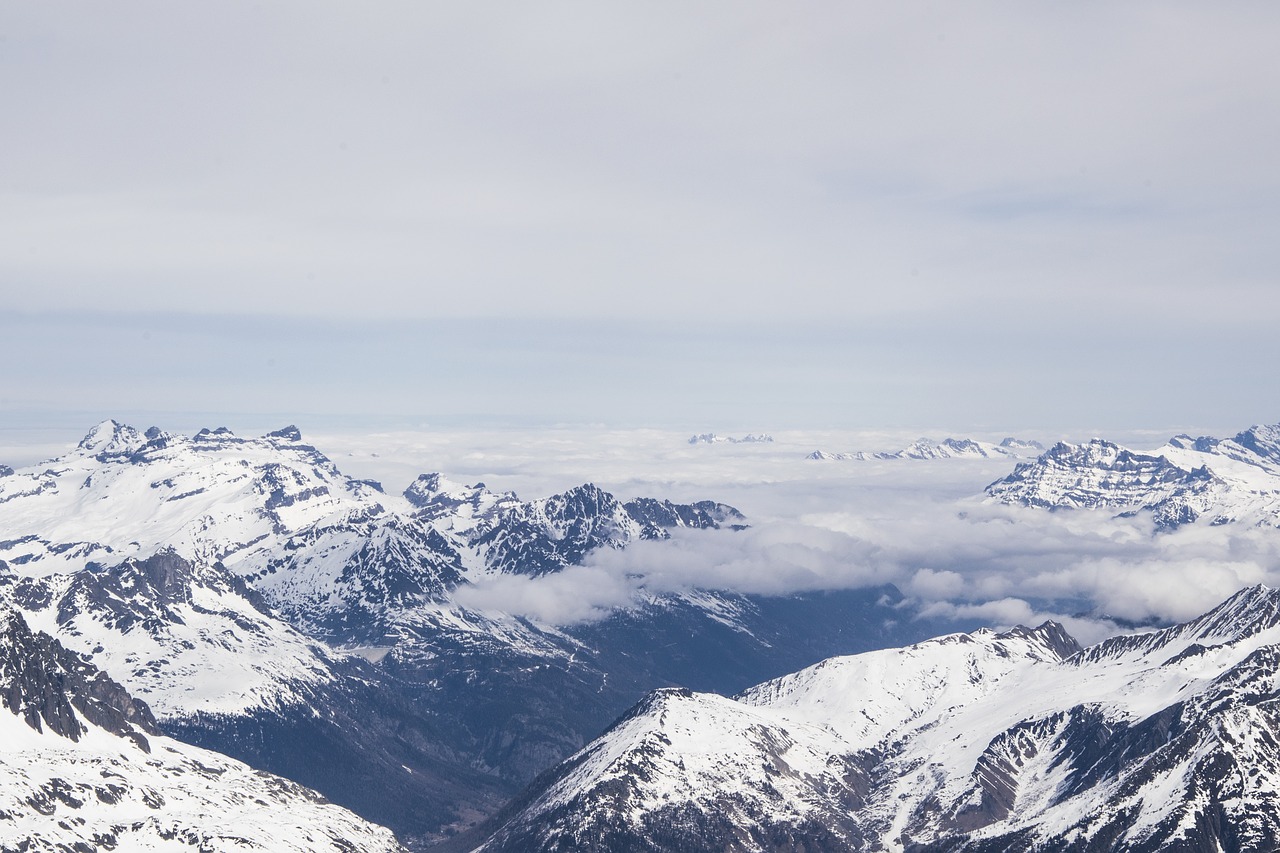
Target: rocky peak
{"x": 52, "y": 688}
{"x": 110, "y": 437}
{"x": 1264, "y": 441}
{"x": 423, "y": 490}
{"x": 289, "y": 433}
{"x": 1049, "y": 635}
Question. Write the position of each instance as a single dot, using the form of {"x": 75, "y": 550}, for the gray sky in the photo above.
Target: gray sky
{"x": 721, "y": 215}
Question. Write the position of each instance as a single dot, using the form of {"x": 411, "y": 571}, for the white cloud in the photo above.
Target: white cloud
{"x": 838, "y": 525}
{"x": 577, "y": 594}
{"x": 931, "y": 586}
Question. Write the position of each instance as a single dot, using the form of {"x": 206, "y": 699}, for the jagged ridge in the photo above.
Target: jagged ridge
{"x": 1201, "y": 480}
{"x": 980, "y": 742}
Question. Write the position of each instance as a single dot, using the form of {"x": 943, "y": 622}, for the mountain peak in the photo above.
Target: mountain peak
{"x": 206, "y": 433}
{"x": 1263, "y": 440}
{"x": 1252, "y": 609}
{"x": 110, "y": 436}
{"x": 1050, "y": 635}
{"x": 288, "y": 433}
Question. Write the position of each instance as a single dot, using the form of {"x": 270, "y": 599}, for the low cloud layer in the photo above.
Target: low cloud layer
{"x": 922, "y": 526}
{"x": 1076, "y": 570}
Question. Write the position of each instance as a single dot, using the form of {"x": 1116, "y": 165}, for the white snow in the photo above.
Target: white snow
{"x": 107, "y": 790}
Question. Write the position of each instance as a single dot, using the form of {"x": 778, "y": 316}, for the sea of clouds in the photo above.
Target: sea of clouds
{"x": 924, "y": 526}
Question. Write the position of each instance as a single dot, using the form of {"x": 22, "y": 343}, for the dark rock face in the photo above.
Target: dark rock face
{"x": 50, "y": 687}
{"x": 135, "y": 593}
{"x": 658, "y": 517}
{"x": 1263, "y": 441}
{"x": 544, "y": 536}
{"x": 289, "y": 433}
{"x": 397, "y": 563}
{"x": 1052, "y": 636}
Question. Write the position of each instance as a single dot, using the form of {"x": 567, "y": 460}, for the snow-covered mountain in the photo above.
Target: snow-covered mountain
{"x": 948, "y": 448}
{"x": 183, "y": 637}
{"x": 333, "y": 554}
{"x": 506, "y": 535}
{"x": 1168, "y": 740}
{"x": 713, "y": 438}
{"x": 1188, "y": 480}
{"x": 211, "y": 574}
{"x": 221, "y": 671}
{"x": 83, "y": 767}
{"x": 208, "y": 573}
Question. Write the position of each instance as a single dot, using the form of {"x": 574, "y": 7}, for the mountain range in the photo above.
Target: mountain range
{"x": 269, "y": 607}
{"x": 181, "y": 609}
{"x": 713, "y": 438}
{"x": 948, "y": 448}
{"x": 1205, "y": 481}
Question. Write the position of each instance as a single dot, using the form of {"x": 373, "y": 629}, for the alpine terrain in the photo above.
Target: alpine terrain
{"x": 1204, "y": 480}
{"x": 83, "y": 767}
{"x": 1014, "y": 741}
{"x": 265, "y": 605}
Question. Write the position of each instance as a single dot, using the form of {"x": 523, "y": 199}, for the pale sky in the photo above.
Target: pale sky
{"x": 717, "y": 215}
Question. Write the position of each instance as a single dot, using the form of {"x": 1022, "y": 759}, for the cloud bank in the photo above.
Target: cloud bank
{"x": 818, "y": 526}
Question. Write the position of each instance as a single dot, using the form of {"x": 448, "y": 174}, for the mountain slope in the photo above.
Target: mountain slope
{"x": 979, "y": 742}
{"x": 223, "y": 673}
{"x": 185, "y": 637}
{"x": 83, "y": 768}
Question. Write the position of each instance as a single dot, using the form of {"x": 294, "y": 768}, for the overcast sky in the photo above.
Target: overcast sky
{"x": 713, "y": 215}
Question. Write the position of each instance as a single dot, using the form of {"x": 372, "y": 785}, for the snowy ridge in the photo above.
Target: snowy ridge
{"x": 1188, "y": 480}
{"x": 82, "y": 768}
{"x": 185, "y": 638}
{"x": 712, "y": 438}
{"x": 946, "y": 672}
{"x": 687, "y": 765}
{"x": 980, "y": 742}
{"x": 948, "y": 448}
{"x": 214, "y": 497}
